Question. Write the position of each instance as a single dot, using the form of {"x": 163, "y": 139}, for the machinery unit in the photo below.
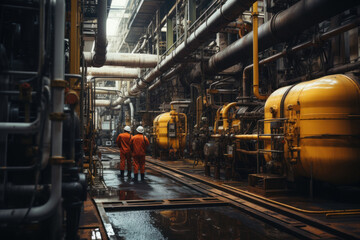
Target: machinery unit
{"x": 169, "y": 134}
{"x": 317, "y": 124}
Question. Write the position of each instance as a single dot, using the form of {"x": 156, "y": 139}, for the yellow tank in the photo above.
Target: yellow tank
{"x": 322, "y": 133}
{"x": 170, "y": 130}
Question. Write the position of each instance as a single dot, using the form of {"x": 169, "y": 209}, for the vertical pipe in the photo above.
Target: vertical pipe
{"x": 255, "y": 15}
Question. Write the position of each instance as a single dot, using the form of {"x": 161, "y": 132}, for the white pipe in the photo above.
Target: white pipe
{"x": 105, "y": 92}
{"x": 120, "y": 72}
{"x": 132, "y": 60}
{"x": 131, "y": 106}
{"x": 230, "y": 10}
{"x": 102, "y": 103}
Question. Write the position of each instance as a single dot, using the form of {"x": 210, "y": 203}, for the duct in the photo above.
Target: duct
{"x": 105, "y": 92}
{"x": 118, "y": 72}
{"x": 99, "y": 56}
{"x": 49, "y": 208}
{"x": 221, "y": 17}
{"x": 133, "y": 60}
{"x": 281, "y": 27}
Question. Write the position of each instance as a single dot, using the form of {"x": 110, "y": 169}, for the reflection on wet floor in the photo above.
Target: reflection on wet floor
{"x": 205, "y": 223}
{"x": 155, "y": 186}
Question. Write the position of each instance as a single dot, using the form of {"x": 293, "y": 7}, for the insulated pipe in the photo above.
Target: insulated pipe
{"x": 99, "y": 56}
{"x": 111, "y": 92}
{"x": 281, "y": 27}
{"x": 49, "y": 208}
{"x": 118, "y": 72}
{"x": 133, "y": 60}
{"x": 131, "y": 106}
{"x": 102, "y": 103}
{"x": 220, "y": 18}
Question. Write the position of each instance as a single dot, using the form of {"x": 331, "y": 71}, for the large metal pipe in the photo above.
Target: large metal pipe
{"x": 99, "y": 57}
{"x": 281, "y": 27}
{"x": 50, "y": 207}
{"x": 220, "y": 18}
{"x": 118, "y": 72}
{"x": 133, "y": 60}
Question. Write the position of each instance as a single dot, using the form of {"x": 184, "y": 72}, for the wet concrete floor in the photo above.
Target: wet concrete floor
{"x": 205, "y": 223}
{"x": 195, "y": 223}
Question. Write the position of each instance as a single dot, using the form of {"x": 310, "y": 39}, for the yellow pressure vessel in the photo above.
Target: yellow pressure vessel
{"x": 170, "y": 131}
{"x": 321, "y": 130}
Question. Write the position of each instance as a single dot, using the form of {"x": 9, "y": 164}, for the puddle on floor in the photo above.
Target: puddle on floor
{"x": 155, "y": 186}
{"x": 205, "y": 223}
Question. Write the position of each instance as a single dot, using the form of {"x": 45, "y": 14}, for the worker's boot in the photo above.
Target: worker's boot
{"x": 128, "y": 174}
{"x": 135, "y": 177}
{"x": 143, "y": 177}
{"x": 122, "y": 173}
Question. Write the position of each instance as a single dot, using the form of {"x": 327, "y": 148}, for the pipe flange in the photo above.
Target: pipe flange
{"x": 59, "y": 84}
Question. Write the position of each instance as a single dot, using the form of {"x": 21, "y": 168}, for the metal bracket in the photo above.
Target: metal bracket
{"x": 57, "y": 116}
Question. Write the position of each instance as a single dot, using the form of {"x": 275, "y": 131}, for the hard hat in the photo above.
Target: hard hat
{"x": 127, "y": 128}
{"x": 140, "y": 129}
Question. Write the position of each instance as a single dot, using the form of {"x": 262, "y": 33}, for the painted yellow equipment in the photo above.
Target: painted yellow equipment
{"x": 225, "y": 119}
{"x": 319, "y": 121}
{"x": 169, "y": 131}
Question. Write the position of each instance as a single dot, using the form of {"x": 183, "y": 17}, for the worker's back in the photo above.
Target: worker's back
{"x": 138, "y": 144}
{"x": 123, "y": 142}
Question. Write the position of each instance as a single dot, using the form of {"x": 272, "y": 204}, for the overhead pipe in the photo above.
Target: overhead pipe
{"x": 301, "y": 46}
{"x": 99, "y": 55}
{"x": 49, "y": 208}
{"x": 118, "y": 72}
{"x": 168, "y": 75}
{"x": 282, "y": 26}
{"x": 220, "y": 18}
{"x": 133, "y": 60}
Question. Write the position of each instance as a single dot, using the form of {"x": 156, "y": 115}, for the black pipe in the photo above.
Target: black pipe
{"x": 101, "y": 42}
{"x": 282, "y": 26}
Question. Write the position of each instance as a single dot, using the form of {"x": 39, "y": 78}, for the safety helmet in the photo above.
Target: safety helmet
{"x": 127, "y": 128}
{"x": 140, "y": 129}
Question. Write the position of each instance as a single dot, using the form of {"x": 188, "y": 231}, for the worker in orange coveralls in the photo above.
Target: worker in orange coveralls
{"x": 123, "y": 142}
{"x": 138, "y": 145}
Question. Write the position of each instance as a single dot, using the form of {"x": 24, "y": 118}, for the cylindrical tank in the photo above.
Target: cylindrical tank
{"x": 321, "y": 128}
{"x": 170, "y": 130}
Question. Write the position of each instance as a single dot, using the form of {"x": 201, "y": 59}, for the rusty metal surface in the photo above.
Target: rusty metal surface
{"x": 90, "y": 221}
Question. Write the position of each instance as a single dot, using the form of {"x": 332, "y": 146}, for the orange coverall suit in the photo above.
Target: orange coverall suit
{"x": 123, "y": 142}
{"x": 138, "y": 145}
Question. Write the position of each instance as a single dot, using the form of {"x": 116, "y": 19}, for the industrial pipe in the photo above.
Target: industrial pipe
{"x": 132, "y": 60}
{"x": 283, "y": 26}
{"x": 225, "y": 112}
{"x": 322, "y": 37}
{"x": 102, "y": 103}
{"x": 220, "y": 18}
{"x": 99, "y": 56}
{"x": 255, "y": 15}
{"x": 118, "y": 72}
{"x": 246, "y": 137}
{"x": 50, "y": 207}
